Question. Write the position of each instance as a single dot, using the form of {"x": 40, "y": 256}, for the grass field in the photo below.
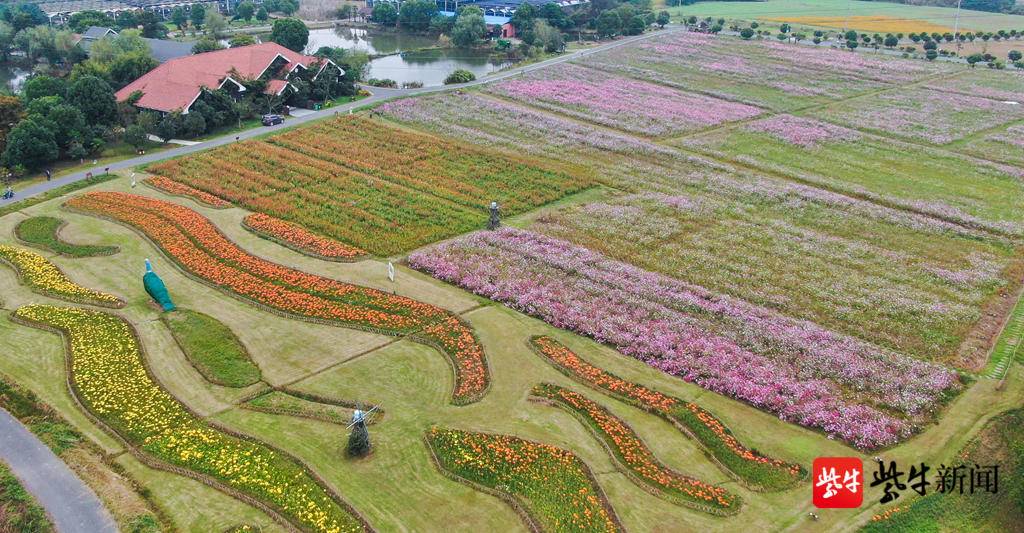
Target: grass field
{"x": 841, "y": 289}
{"x": 870, "y": 16}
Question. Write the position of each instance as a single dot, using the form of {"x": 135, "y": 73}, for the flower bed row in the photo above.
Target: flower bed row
{"x": 636, "y": 458}
{"x": 175, "y": 188}
{"x": 45, "y": 278}
{"x": 299, "y": 239}
{"x": 852, "y": 390}
{"x": 195, "y": 244}
{"x": 43, "y": 232}
{"x": 111, "y": 381}
{"x": 551, "y": 488}
{"x": 750, "y": 466}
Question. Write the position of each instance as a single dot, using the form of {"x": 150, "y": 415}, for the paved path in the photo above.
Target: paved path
{"x": 379, "y": 95}
{"x": 72, "y": 506}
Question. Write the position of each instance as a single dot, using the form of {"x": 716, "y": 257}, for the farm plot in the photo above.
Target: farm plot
{"x": 766, "y": 74}
{"x": 622, "y": 103}
{"x": 891, "y": 173}
{"x": 720, "y": 343}
{"x": 1005, "y": 145}
{"x": 923, "y": 115}
{"x": 379, "y": 188}
{"x": 994, "y": 84}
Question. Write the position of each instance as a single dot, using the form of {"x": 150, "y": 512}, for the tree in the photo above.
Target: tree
{"x": 206, "y": 45}
{"x": 608, "y": 24}
{"x": 931, "y": 55}
{"x": 522, "y": 19}
{"x": 290, "y": 33}
{"x": 547, "y": 36}
{"x": 974, "y": 59}
{"x": 459, "y": 76}
{"x": 1014, "y": 55}
{"x": 169, "y": 126}
{"x": 80, "y": 22}
{"x": 135, "y": 135}
{"x": 245, "y": 10}
{"x": 6, "y": 40}
{"x": 30, "y": 145}
{"x": 746, "y": 33}
{"x": 40, "y": 86}
{"x": 663, "y": 19}
{"x": 216, "y": 24}
{"x": 469, "y": 27}
{"x": 198, "y": 15}
{"x": 11, "y": 113}
{"x": 152, "y": 25}
{"x": 785, "y": 28}
{"x": 193, "y": 125}
{"x": 384, "y": 13}
{"x": 262, "y": 15}
{"x": 851, "y": 45}
{"x": 851, "y": 35}
{"x": 130, "y": 67}
{"x": 416, "y": 14}
{"x": 241, "y": 39}
{"x": 68, "y": 124}
{"x": 635, "y": 25}
{"x": 95, "y": 99}
{"x": 555, "y": 15}
{"x": 179, "y": 18}
{"x": 358, "y": 441}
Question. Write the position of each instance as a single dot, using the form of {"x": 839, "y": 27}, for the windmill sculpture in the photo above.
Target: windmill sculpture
{"x": 359, "y": 439}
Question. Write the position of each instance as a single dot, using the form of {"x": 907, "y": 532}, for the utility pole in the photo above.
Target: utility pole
{"x": 956, "y": 27}
{"x": 846, "y": 23}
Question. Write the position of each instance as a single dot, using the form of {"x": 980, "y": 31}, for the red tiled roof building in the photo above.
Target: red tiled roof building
{"x": 176, "y": 84}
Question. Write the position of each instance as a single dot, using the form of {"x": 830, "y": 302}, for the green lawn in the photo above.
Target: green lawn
{"x": 211, "y": 346}
{"x": 19, "y": 511}
{"x": 42, "y": 232}
{"x": 905, "y": 15}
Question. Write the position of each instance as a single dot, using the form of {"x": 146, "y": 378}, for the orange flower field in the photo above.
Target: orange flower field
{"x": 753, "y": 467}
{"x": 198, "y": 247}
{"x": 633, "y": 454}
{"x": 297, "y": 238}
{"x": 555, "y": 487}
{"x": 377, "y": 187}
{"x": 180, "y": 189}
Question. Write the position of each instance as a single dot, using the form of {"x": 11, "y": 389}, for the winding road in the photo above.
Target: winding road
{"x": 73, "y": 507}
{"x": 379, "y": 95}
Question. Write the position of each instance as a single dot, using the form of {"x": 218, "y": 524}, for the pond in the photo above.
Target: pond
{"x": 407, "y": 63}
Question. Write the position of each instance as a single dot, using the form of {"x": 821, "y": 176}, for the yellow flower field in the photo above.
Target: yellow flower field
{"x": 44, "y": 277}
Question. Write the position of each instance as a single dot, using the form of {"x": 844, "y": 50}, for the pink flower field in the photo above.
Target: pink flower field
{"x": 621, "y": 103}
{"x": 803, "y": 131}
{"x": 799, "y": 371}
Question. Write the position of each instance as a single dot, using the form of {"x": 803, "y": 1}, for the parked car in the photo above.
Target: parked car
{"x": 270, "y": 120}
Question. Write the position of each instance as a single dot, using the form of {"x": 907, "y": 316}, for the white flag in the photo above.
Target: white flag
{"x": 391, "y": 272}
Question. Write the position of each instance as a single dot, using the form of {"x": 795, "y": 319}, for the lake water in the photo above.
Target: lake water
{"x": 430, "y": 67}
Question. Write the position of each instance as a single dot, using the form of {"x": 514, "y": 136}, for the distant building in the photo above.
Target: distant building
{"x": 162, "y": 49}
{"x": 493, "y": 22}
{"x": 178, "y": 83}
{"x": 59, "y": 11}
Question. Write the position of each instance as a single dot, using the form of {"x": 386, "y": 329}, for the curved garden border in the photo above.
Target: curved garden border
{"x": 245, "y": 349}
{"x": 625, "y": 470}
{"x": 112, "y": 249}
{"x": 412, "y": 336}
{"x": 299, "y": 249}
{"x": 159, "y": 464}
{"x": 195, "y": 198}
{"x": 119, "y": 304}
{"x": 348, "y": 404}
{"x": 517, "y": 505}
{"x": 679, "y": 426}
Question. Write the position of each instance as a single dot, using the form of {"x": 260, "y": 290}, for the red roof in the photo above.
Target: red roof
{"x": 176, "y": 83}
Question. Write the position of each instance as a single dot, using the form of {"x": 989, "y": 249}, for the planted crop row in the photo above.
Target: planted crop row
{"x": 752, "y": 467}
{"x": 551, "y": 488}
{"x": 299, "y": 239}
{"x": 180, "y": 189}
{"x": 195, "y": 244}
{"x": 110, "y": 380}
{"x": 376, "y": 187}
{"x": 631, "y": 452}
{"x": 42, "y": 276}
